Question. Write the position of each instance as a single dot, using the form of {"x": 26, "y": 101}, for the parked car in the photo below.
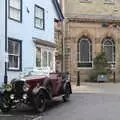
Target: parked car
{"x": 35, "y": 89}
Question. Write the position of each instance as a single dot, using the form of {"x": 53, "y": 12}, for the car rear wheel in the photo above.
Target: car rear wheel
{"x": 40, "y": 102}
{"x": 66, "y": 95}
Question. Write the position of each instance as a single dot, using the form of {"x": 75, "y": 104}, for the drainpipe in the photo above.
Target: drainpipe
{"x": 6, "y": 42}
{"x": 63, "y": 50}
{"x": 64, "y": 23}
{"x": 63, "y": 35}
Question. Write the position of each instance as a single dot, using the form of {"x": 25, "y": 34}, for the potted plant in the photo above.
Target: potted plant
{"x": 101, "y": 67}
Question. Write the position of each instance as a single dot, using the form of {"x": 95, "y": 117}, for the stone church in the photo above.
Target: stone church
{"x": 89, "y": 26}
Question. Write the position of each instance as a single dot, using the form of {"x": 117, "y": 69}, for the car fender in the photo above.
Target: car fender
{"x": 43, "y": 89}
{"x": 67, "y": 82}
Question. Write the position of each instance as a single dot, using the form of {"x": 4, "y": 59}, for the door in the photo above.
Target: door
{"x": 56, "y": 80}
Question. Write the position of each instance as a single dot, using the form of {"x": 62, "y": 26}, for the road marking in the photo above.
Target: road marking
{"x": 38, "y": 118}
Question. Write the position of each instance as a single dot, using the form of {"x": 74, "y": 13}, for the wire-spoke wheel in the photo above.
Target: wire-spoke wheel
{"x": 66, "y": 95}
{"x": 4, "y": 105}
{"x": 40, "y": 102}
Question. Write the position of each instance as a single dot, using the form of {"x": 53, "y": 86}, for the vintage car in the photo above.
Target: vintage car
{"x": 35, "y": 89}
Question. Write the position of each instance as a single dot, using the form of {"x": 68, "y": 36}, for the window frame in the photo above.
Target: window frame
{"x": 81, "y": 64}
{"x": 48, "y": 51}
{"x": 113, "y": 48}
{"x": 43, "y": 62}
{"x": 38, "y": 57}
{"x": 19, "y": 57}
{"x": 20, "y": 10}
{"x": 109, "y": 1}
{"x": 43, "y": 28}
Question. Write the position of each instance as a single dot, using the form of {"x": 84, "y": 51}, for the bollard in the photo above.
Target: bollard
{"x": 78, "y": 78}
{"x": 114, "y": 77}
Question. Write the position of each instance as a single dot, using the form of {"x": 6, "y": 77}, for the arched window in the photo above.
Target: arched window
{"x": 84, "y": 52}
{"x": 109, "y": 48}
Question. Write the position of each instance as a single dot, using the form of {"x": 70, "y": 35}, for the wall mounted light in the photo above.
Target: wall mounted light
{"x": 28, "y": 11}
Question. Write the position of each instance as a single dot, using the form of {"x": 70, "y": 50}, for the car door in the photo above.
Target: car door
{"x": 56, "y": 82}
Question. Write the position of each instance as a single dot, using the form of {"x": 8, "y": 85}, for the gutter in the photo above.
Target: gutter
{"x": 58, "y": 9}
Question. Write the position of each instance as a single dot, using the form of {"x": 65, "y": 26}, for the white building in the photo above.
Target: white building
{"x": 30, "y": 34}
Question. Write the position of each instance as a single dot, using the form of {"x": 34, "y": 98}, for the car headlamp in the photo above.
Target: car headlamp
{"x": 26, "y": 87}
{"x": 24, "y": 96}
{"x": 12, "y": 96}
{"x": 8, "y": 87}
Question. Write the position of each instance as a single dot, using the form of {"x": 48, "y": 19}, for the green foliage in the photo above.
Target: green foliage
{"x": 100, "y": 67}
{"x": 100, "y": 64}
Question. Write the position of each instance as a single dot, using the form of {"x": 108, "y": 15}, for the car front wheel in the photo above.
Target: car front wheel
{"x": 4, "y": 105}
{"x": 40, "y": 102}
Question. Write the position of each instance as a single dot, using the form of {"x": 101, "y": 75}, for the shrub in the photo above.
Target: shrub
{"x": 100, "y": 67}
{"x": 100, "y": 64}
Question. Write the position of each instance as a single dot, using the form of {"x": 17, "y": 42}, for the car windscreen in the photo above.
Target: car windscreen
{"x": 34, "y": 73}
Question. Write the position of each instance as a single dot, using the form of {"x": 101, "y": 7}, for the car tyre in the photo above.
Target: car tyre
{"x": 5, "y": 106}
{"x": 66, "y": 95}
{"x": 40, "y": 102}
{"x": 5, "y": 110}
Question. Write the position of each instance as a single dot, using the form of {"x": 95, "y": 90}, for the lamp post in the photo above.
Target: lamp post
{"x": 6, "y": 45}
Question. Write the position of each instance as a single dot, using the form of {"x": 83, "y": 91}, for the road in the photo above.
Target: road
{"x": 82, "y": 106}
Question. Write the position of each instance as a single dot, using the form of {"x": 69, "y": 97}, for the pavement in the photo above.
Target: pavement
{"x": 106, "y": 88}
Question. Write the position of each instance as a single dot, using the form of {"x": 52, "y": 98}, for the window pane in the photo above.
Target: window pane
{"x": 14, "y": 13}
{"x": 11, "y": 61}
{"x": 17, "y": 48}
{"x": 44, "y": 55}
{"x": 38, "y": 57}
{"x": 39, "y": 23}
{"x": 15, "y": 3}
{"x": 90, "y": 52}
{"x": 84, "y": 51}
{"x": 108, "y": 42}
{"x": 39, "y": 13}
{"x": 15, "y": 62}
{"x": 10, "y": 47}
{"x": 50, "y": 60}
{"x": 108, "y": 53}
